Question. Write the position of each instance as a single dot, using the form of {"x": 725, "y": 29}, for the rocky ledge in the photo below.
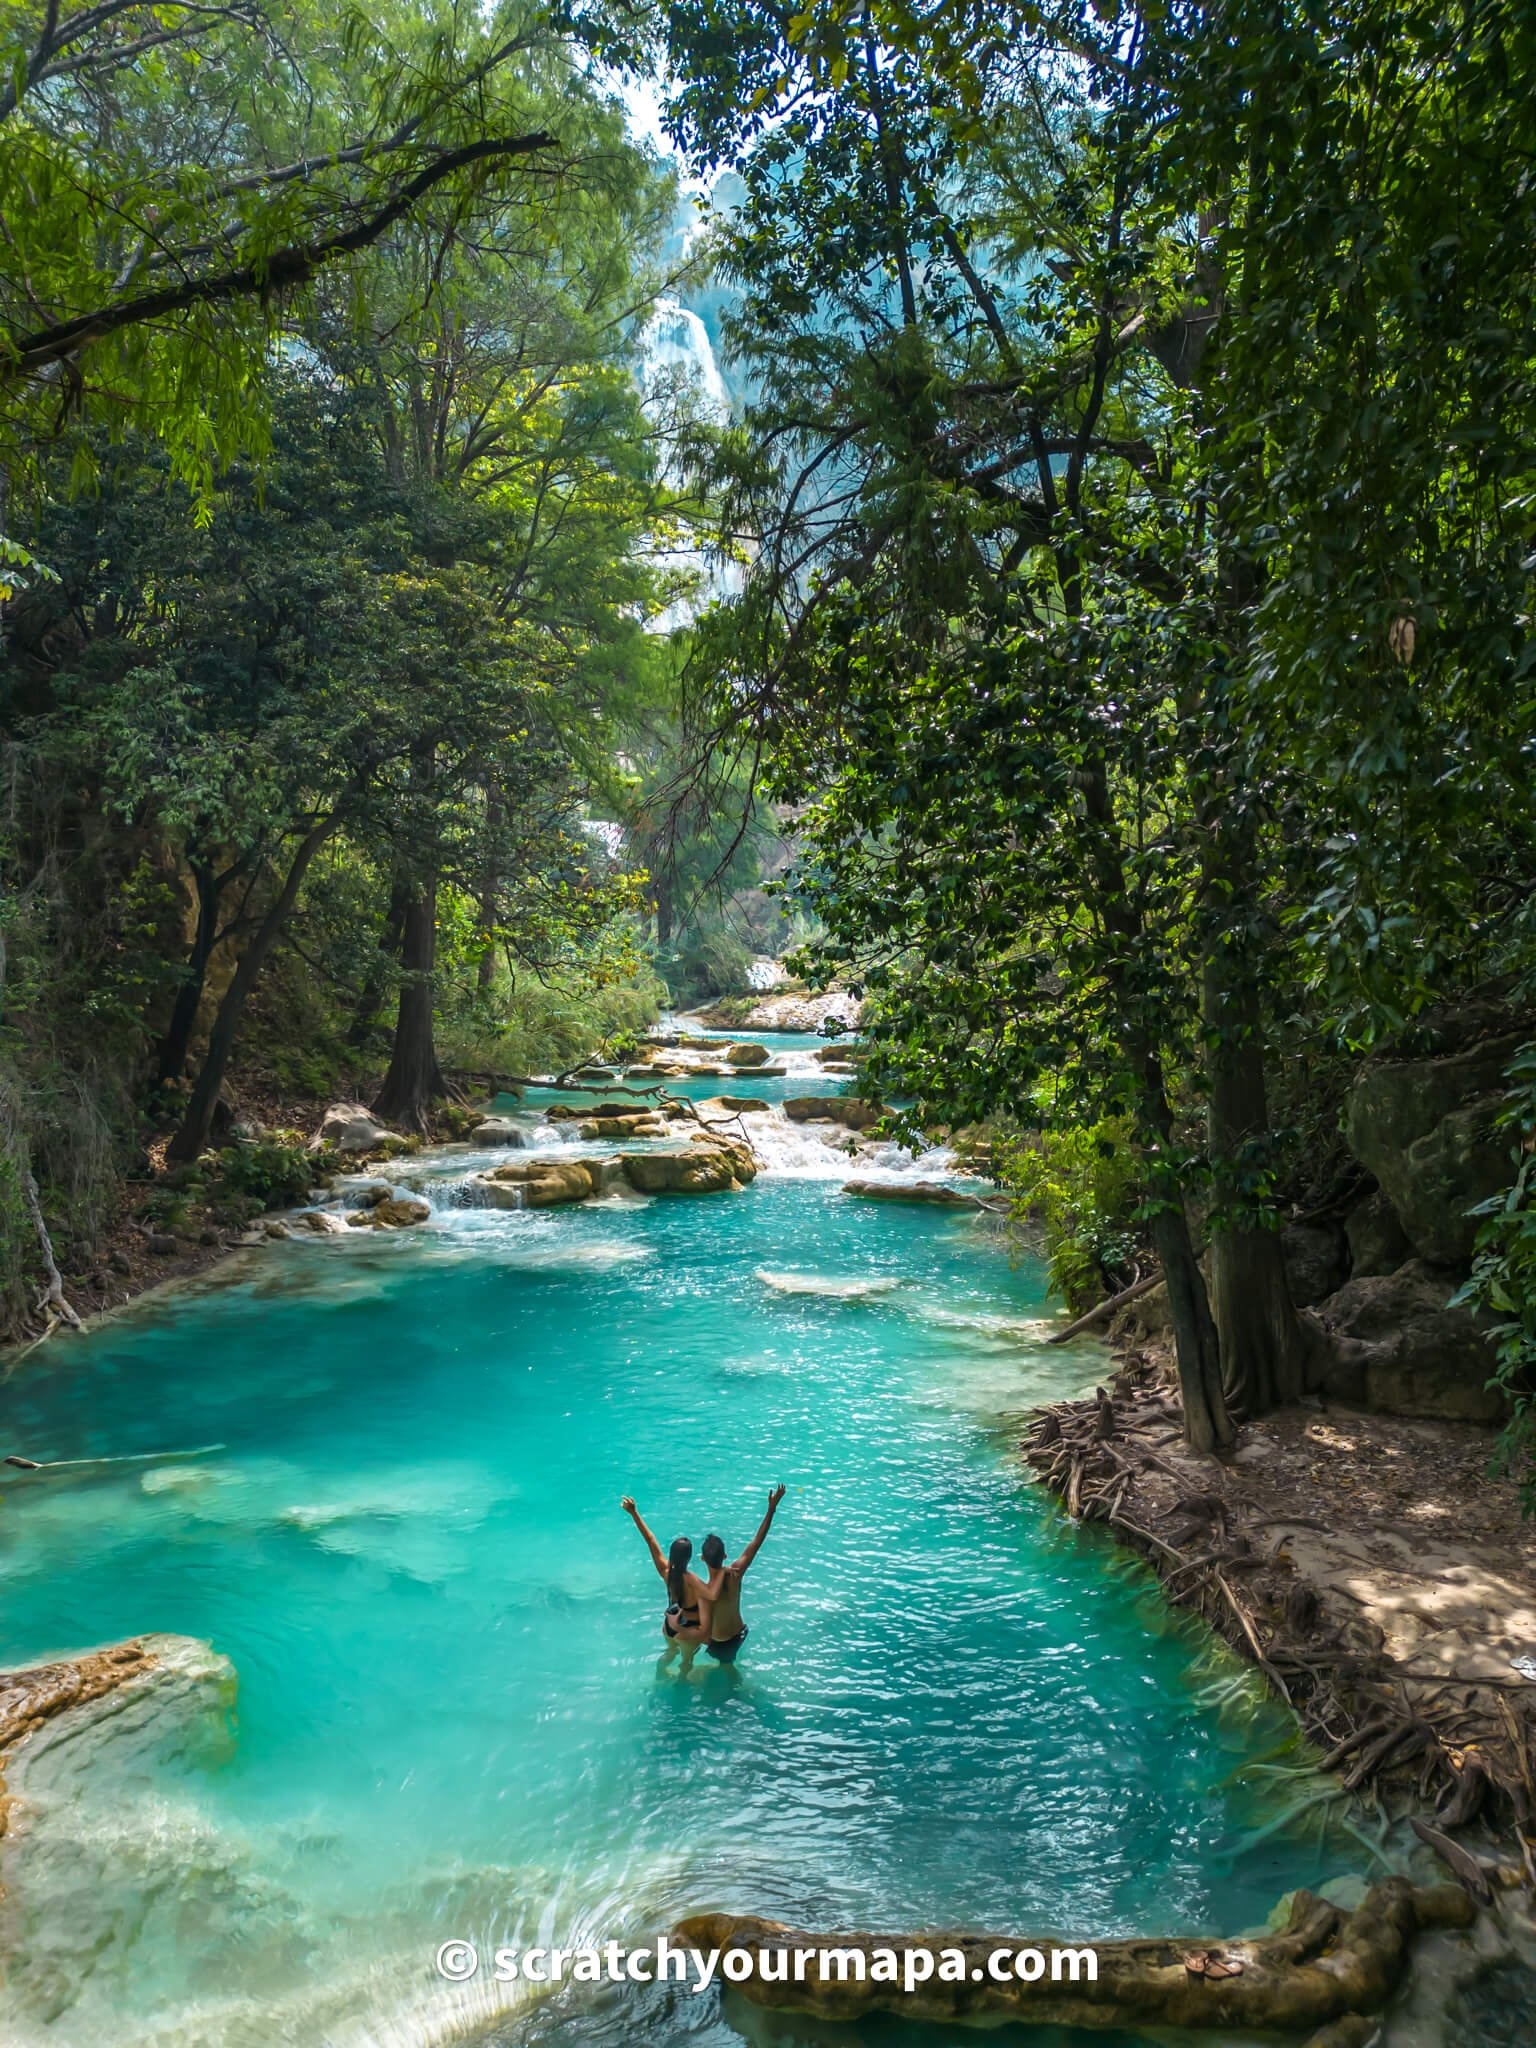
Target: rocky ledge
{"x": 1323, "y": 1973}
{"x": 708, "y": 1164}
{"x": 31, "y": 1698}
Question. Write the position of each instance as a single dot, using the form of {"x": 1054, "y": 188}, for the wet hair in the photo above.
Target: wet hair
{"x": 714, "y": 1551}
{"x": 677, "y": 1566}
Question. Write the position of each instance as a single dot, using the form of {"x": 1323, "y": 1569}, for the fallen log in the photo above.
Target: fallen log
{"x": 1107, "y": 1308}
{"x": 1324, "y": 1967}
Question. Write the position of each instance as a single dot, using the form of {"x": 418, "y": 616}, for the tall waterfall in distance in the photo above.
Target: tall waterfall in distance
{"x": 681, "y": 373}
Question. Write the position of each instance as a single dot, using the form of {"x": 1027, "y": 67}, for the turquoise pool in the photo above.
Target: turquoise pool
{"x": 953, "y": 1709}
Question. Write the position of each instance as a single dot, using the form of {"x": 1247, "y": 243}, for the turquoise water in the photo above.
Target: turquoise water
{"x": 450, "y": 1718}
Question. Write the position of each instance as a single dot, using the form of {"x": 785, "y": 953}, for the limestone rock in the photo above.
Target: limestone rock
{"x": 537, "y": 1183}
{"x": 321, "y": 1222}
{"x": 350, "y": 1127}
{"x": 498, "y": 1130}
{"x": 1377, "y": 1241}
{"x": 639, "y": 1124}
{"x": 1316, "y": 1261}
{"x": 395, "y": 1212}
{"x": 747, "y": 1056}
{"x": 1426, "y": 1129}
{"x": 1405, "y": 1351}
{"x": 910, "y": 1191}
{"x": 848, "y": 1110}
{"x": 733, "y": 1105}
{"x": 709, "y": 1165}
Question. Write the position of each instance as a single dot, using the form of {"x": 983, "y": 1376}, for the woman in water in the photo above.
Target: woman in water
{"x": 686, "y": 1621}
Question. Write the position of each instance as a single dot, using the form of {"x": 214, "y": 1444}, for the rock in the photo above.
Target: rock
{"x": 909, "y": 1191}
{"x": 1377, "y": 1241}
{"x": 640, "y": 1073}
{"x": 208, "y": 1235}
{"x": 120, "y": 1262}
{"x": 747, "y": 1056}
{"x": 1405, "y": 1351}
{"x": 847, "y": 1110}
{"x": 375, "y": 1191}
{"x": 1316, "y": 1261}
{"x": 733, "y": 1105}
{"x": 321, "y": 1222}
{"x": 595, "y": 1074}
{"x": 837, "y": 1055}
{"x": 398, "y": 1213}
{"x": 562, "y": 1112}
{"x": 537, "y": 1184}
{"x": 1426, "y": 1129}
{"x": 708, "y": 1165}
{"x": 350, "y": 1127}
{"x": 642, "y": 1124}
{"x": 276, "y": 1228}
{"x": 163, "y": 1245}
{"x": 498, "y": 1130}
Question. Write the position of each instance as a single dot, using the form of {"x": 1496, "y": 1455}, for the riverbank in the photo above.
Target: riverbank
{"x": 1380, "y": 1579}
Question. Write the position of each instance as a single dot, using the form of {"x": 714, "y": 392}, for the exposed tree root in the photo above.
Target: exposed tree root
{"x": 1426, "y": 1736}
{"x": 1324, "y": 1969}
{"x": 51, "y": 1302}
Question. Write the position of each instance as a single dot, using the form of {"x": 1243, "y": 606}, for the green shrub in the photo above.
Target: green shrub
{"x": 1079, "y": 1186}
{"x": 272, "y": 1171}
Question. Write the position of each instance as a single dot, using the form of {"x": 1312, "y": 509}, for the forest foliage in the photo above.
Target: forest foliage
{"x": 1125, "y": 665}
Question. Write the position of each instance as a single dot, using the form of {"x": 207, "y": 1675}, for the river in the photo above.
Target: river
{"x": 399, "y": 1521}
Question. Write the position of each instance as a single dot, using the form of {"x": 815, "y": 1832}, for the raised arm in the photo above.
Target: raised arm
{"x": 657, "y": 1559}
{"x": 775, "y": 1495}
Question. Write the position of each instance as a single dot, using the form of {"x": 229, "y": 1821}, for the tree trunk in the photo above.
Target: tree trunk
{"x": 171, "y": 1054}
{"x": 197, "y": 1124}
{"x": 414, "y": 1079}
{"x": 1263, "y": 1341}
{"x": 371, "y": 997}
{"x": 1207, "y": 1424}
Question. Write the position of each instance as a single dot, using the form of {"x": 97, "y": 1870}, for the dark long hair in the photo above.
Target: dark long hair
{"x": 677, "y": 1566}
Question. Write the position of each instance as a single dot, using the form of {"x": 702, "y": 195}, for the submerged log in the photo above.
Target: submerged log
{"x": 1323, "y": 1967}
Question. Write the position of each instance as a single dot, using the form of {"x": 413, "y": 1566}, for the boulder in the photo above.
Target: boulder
{"x": 1402, "y": 1350}
{"x": 537, "y": 1183}
{"x": 910, "y": 1191}
{"x": 1377, "y": 1241}
{"x": 645, "y": 1123}
{"x": 1427, "y": 1130}
{"x": 321, "y": 1222}
{"x": 709, "y": 1165}
{"x": 498, "y": 1130}
{"x": 395, "y": 1212}
{"x": 836, "y": 1055}
{"x": 1316, "y": 1261}
{"x": 747, "y": 1056}
{"x": 595, "y": 1074}
{"x": 376, "y": 1191}
{"x": 848, "y": 1110}
{"x": 350, "y": 1127}
{"x": 733, "y": 1105}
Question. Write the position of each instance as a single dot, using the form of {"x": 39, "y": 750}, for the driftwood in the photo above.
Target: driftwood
{"x": 1324, "y": 1967}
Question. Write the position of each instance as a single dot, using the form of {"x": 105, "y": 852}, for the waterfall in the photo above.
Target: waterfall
{"x": 678, "y": 368}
